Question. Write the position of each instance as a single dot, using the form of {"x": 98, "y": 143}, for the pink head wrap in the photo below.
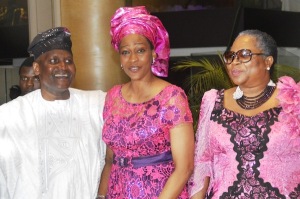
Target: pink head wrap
{"x": 137, "y": 20}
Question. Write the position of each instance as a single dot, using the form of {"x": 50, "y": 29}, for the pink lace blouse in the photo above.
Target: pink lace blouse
{"x": 249, "y": 157}
{"x": 139, "y": 130}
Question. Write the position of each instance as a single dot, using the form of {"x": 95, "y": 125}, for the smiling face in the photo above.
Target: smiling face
{"x": 136, "y": 56}
{"x": 255, "y": 71}
{"x": 56, "y": 70}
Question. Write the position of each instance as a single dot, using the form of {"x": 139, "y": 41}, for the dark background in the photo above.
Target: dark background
{"x": 218, "y": 27}
{"x": 14, "y": 30}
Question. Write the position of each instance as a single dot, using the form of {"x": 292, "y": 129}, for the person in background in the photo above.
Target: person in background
{"x": 50, "y": 139}
{"x": 148, "y": 124}
{"x": 248, "y": 138}
{"x": 28, "y": 81}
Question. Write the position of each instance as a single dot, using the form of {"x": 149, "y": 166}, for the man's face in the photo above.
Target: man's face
{"x": 56, "y": 70}
{"x": 28, "y": 80}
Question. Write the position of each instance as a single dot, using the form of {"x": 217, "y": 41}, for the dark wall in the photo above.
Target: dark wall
{"x": 199, "y": 28}
{"x": 14, "y": 41}
{"x": 14, "y": 31}
{"x": 283, "y": 26}
{"x": 219, "y": 27}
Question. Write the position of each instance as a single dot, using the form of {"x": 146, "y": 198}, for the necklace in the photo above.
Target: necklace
{"x": 256, "y": 101}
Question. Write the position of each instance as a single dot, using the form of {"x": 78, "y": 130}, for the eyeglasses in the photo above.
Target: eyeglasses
{"x": 243, "y": 56}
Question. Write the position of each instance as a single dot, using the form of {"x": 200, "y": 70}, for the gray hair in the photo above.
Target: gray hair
{"x": 265, "y": 42}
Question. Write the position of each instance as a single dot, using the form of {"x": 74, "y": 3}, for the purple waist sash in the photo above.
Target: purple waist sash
{"x": 143, "y": 160}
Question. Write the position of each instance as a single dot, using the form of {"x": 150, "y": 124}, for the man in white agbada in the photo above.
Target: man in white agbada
{"x": 50, "y": 139}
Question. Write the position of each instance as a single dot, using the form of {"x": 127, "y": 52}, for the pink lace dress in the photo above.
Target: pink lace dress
{"x": 249, "y": 157}
{"x": 139, "y": 135}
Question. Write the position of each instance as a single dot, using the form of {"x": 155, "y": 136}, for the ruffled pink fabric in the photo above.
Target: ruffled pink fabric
{"x": 289, "y": 97}
{"x": 137, "y": 20}
{"x": 215, "y": 157}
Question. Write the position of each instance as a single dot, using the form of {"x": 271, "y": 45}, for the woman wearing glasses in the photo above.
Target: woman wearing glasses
{"x": 248, "y": 139}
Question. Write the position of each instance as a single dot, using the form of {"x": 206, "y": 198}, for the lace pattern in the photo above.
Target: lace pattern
{"x": 250, "y": 137}
{"x": 142, "y": 129}
{"x": 235, "y": 151}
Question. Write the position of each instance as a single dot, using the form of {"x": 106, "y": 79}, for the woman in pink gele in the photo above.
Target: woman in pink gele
{"x": 248, "y": 138}
{"x": 148, "y": 124}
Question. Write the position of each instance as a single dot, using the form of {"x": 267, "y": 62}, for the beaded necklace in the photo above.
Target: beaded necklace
{"x": 249, "y": 103}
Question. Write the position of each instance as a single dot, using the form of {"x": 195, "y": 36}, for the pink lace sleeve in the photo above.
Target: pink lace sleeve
{"x": 289, "y": 97}
{"x": 177, "y": 101}
{"x": 202, "y": 165}
{"x": 113, "y": 93}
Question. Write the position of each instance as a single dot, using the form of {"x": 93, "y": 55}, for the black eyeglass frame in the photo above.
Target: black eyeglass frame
{"x": 235, "y": 55}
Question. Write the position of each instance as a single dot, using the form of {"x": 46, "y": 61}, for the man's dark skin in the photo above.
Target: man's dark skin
{"x": 28, "y": 80}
